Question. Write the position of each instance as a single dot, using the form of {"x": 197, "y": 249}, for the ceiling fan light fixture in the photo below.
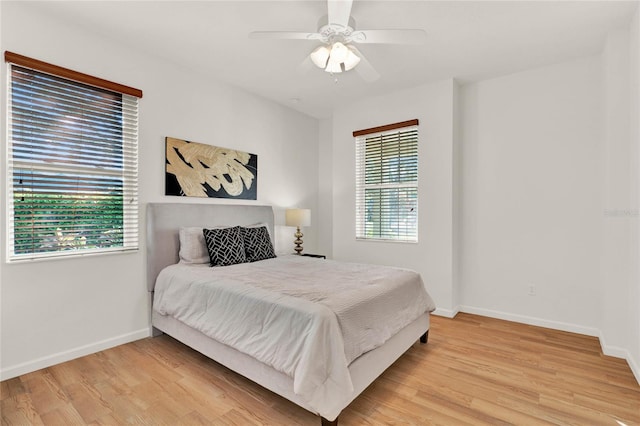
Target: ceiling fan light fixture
{"x": 339, "y": 52}
{"x": 335, "y": 59}
{"x": 320, "y": 56}
{"x": 333, "y": 66}
{"x": 351, "y": 61}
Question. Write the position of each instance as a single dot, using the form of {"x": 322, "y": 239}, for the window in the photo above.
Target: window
{"x": 72, "y": 163}
{"x": 387, "y": 182}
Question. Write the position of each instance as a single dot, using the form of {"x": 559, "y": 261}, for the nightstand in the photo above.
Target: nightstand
{"x": 319, "y": 256}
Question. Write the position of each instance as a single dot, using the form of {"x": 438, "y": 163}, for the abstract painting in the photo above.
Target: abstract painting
{"x": 197, "y": 170}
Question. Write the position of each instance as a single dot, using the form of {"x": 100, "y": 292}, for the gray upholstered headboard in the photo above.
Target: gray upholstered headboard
{"x": 165, "y": 219}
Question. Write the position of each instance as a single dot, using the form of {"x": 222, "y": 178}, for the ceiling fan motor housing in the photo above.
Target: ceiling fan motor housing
{"x": 332, "y": 33}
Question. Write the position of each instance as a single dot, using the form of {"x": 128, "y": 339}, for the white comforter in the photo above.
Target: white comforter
{"x": 306, "y": 318}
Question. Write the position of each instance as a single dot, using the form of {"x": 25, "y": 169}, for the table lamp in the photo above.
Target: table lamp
{"x": 298, "y": 218}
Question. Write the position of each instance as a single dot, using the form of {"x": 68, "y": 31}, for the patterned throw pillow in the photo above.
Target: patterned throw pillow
{"x": 225, "y": 246}
{"x": 257, "y": 244}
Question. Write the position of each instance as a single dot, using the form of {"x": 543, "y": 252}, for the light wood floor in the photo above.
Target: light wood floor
{"x": 474, "y": 370}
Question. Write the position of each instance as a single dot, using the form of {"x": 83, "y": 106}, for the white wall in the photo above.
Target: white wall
{"x": 634, "y": 300}
{"x": 617, "y": 220}
{"x": 432, "y": 256}
{"x": 458, "y": 248}
{"x": 550, "y": 182}
{"x": 324, "y": 215}
{"x": 52, "y": 311}
{"x": 531, "y": 201}
{"x": 620, "y": 327}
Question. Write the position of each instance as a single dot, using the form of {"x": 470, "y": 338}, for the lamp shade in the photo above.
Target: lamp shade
{"x": 320, "y": 56}
{"x": 351, "y": 61}
{"x": 298, "y": 217}
{"x": 339, "y": 52}
{"x": 335, "y": 58}
{"x": 333, "y": 66}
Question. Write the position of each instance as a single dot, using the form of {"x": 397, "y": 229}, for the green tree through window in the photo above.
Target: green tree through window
{"x": 387, "y": 183}
{"x": 73, "y": 167}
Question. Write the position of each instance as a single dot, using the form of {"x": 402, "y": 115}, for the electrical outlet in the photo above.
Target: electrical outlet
{"x": 532, "y": 290}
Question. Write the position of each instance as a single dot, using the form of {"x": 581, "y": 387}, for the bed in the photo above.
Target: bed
{"x": 317, "y": 371}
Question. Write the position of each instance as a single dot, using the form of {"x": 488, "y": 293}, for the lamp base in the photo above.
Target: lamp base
{"x": 298, "y": 241}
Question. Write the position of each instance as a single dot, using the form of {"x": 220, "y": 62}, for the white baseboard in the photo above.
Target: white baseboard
{"x": 635, "y": 368}
{"x": 47, "y": 361}
{"x": 609, "y": 350}
{"x": 618, "y": 352}
{"x": 448, "y": 313}
{"x": 563, "y": 326}
{"x": 540, "y": 322}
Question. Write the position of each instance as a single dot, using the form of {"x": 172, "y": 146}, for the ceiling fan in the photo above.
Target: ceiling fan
{"x": 337, "y": 32}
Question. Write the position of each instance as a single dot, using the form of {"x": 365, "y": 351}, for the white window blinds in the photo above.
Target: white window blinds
{"x": 387, "y": 182}
{"x": 72, "y": 169}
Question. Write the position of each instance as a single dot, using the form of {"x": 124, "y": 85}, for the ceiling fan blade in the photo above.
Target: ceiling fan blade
{"x": 305, "y": 66}
{"x": 339, "y": 12}
{"x": 364, "y": 68}
{"x": 284, "y": 35}
{"x": 389, "y": 36}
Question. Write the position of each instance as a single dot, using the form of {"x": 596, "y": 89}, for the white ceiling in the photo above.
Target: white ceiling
{"x": 467, "y": 40}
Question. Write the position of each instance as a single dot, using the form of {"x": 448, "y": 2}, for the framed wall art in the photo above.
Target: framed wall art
{"x": 194, "y": 169}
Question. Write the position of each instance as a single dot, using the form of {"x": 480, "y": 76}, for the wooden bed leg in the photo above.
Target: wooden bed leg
{"x": 326, "y": 422}
{"x": 424, "y": 337}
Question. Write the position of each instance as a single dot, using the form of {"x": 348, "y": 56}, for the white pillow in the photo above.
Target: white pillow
{"x": 192, "y": 246}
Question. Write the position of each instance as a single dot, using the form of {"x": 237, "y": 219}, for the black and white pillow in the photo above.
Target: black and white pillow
{"x": 225, "y": 246}
{"x": 257, "y": 244}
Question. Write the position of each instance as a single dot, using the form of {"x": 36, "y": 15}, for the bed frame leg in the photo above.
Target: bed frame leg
{"x": 424, "y": 337}
{"x": 326, "y": 422}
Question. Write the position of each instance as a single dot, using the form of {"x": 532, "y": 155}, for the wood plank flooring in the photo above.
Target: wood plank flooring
{"x": 474, "y": 370}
